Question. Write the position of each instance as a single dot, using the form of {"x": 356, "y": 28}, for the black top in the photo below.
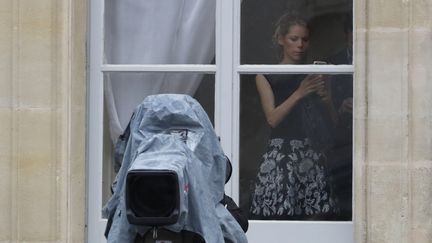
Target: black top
{"x": 283, "y": 86}
{"x": 307, "y": 119}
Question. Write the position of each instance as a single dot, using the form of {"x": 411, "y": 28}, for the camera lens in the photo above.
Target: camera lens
{"x": 153, "y": 195}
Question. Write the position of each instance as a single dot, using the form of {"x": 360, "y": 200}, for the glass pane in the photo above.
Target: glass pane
{"x": 124, "y": 91}
{"x": 267, "y": 28}
{"x": 296, "y": 157}
{"x": 159, "y": 32}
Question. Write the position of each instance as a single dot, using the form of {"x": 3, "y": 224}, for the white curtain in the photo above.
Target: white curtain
{"x": 154, "y": 32}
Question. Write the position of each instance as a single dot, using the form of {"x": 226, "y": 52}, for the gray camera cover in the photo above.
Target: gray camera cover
{"x": 172, "y": 127}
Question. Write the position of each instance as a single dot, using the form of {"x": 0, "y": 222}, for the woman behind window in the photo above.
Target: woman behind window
{"x": 292, "y": 181}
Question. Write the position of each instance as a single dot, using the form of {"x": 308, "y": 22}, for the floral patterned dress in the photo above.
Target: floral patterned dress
{"x": 292, "y": 180}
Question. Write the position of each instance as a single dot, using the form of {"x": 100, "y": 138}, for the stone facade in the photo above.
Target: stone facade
{"x": 393, "y": 135}
{"x": 42, "y": 113}
{"x": 42, "y": 117}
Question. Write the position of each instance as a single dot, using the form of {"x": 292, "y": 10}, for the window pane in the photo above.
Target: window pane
{"x": 124, "y": 91}
{"x": 159, "y": 32}
{"x": 265, "y": 24}
{"x": 301, "y": 169}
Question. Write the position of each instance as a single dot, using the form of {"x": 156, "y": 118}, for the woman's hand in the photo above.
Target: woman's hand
{"x": 346, "y": 106}
{"x": 311, "y": 84}
{"x": 325, "y": 91}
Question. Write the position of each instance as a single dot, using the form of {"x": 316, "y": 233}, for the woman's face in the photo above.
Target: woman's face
{"x": 294, "y": 44}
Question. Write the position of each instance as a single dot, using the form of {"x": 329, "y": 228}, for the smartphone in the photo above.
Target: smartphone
{"x": 320, "y": 62}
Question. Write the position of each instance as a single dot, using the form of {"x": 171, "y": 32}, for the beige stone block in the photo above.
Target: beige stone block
{"x": 79, "y": 55}
{"x": 360, "y": 15}
{"x": 78, "y": 134}
{"x": 420, "y": 72}
{"x": 6, "y": 198}
{"x": 37, "y": 13}
{"x": 420, "y": 44}
{"x": 6, "y": 91}
{"x": 5, "y": 18}
{"x": 78, "y": 91}
{"x": 360, "y": 203}
{"x": 421, "y": 13}
{"x": 360, "y": 76}
{"x": 5, "y": 131}
{"x": 77, "y": 182}
{"x": 387, "y": 84}
{"x": 385, "y": 139}
{"x": 37, "y": 192}
{"x": 360, "y": 116}
{"x": 421, "y": 195}
{"x": 384, "y": 205}
{"x": 421, "y": 139}
{"x": 36, "y": 55}
{"x": 36, "y": 86}
{"x": 421, "y": 211}
{"x": 360, "y": 140}
{"x": 6, "y": 54}
{"x": 7, "y": 5}
{"x": 420, "y": 89}
{"x": 5, "y": 14}
{"x": 5, "y": 173}
{"x": 386, "y": 13}
{"x": 421, "y": 235}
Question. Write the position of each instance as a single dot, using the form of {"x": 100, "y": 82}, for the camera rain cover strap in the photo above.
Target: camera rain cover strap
{"x": 171, "y": 141}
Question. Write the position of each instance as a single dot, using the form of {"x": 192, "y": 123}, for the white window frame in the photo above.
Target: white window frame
{"x": 227, "y": 72}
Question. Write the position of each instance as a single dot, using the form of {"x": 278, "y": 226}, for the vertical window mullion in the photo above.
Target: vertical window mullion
{"x": 95, "y": 123}
{"x": 236, "y": 101}
{"x": 224, "y": 71}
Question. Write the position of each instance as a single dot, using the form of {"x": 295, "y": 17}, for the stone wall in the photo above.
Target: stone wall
{"x": 42, "y": 117}
{"x": 393, "y": 159}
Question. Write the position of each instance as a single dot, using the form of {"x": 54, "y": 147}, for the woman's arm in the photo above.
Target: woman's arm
{"x": 326, "y": 98}
{"x": 275, "y": 115}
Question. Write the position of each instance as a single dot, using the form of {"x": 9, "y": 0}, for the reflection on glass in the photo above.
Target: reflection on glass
{"x": 124, "y": 91}
{"x": 330, "y": 23}
{"x": 296, "y": 147}
{"x": 159, "y": 32}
